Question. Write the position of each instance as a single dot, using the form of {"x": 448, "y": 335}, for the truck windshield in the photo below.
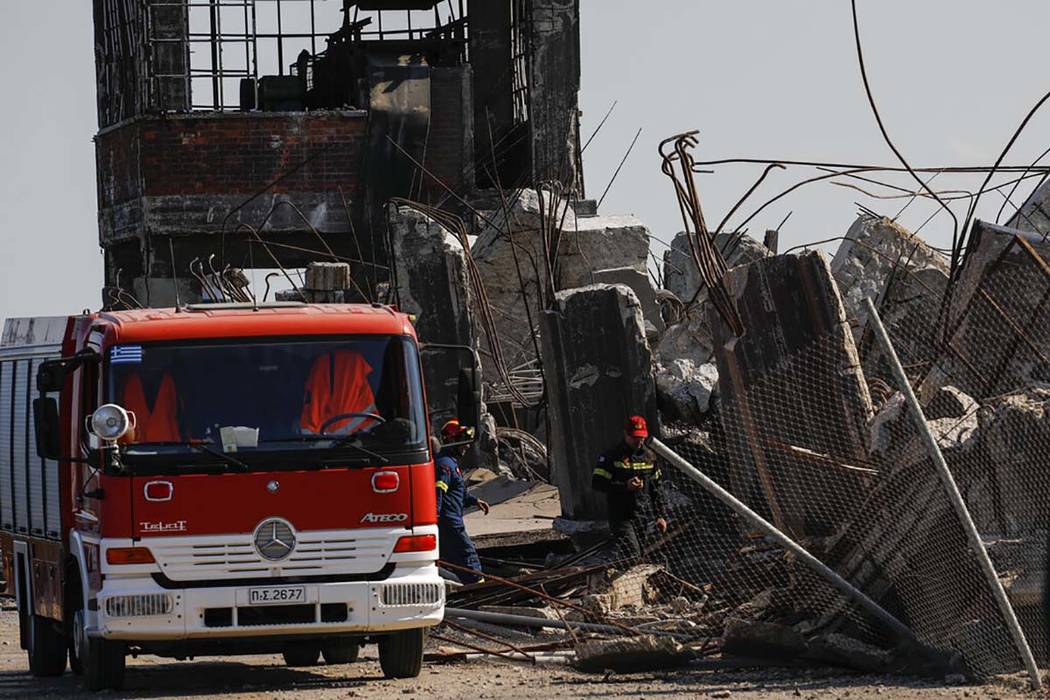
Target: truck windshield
{"x": 255, "y": 400}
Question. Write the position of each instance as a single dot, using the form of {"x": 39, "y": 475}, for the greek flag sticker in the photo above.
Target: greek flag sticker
{"x": 125, "y": 355}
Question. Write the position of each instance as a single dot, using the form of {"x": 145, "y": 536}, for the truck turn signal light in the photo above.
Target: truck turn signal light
{"x": 129, "y": 555}
{"x": 416, "y": 543}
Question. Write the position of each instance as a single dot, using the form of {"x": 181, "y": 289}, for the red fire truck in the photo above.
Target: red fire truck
{"x": 217, "y": 479}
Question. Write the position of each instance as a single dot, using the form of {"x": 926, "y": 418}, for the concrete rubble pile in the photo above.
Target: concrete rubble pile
{"x": 798, "y": 417}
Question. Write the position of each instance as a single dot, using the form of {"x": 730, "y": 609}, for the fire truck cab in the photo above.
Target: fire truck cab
{"x": 217, "y": 479}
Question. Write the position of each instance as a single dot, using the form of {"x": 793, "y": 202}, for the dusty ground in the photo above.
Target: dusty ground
{"x": 265, "y": 677}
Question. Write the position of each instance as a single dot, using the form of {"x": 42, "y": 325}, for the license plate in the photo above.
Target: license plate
{"x": 284, "y": 595}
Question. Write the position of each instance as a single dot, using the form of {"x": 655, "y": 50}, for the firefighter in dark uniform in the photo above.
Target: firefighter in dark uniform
{"x": 631, "y": 482}
{"x": 454, "y": 544}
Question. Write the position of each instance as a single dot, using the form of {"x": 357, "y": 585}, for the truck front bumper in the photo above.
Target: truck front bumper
{"x": 139, "y": 609}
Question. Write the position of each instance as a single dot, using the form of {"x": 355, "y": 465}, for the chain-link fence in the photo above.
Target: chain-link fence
{"x": 825, "y": 449}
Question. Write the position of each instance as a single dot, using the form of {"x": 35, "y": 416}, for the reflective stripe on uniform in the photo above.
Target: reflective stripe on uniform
{"x": 602, "y": 473}
{"x": 441, "y": 485}
{"x": 634, "y": 466}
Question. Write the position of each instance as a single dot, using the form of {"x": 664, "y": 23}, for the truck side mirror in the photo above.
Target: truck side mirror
{"x": 51, "y": 375}
{"x": 45, "y": 422}
{"x": 468, "y": 399}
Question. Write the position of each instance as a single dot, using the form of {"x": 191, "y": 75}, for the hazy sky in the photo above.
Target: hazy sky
{"x": 769, "y": 78}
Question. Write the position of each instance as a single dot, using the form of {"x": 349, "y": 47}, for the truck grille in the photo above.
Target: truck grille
{"x": 394, "y": 594}
{"x": 139, "y": 605}
{"x": 236, "y": 556}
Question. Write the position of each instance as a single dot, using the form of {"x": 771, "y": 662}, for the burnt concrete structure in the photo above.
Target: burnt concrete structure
{"x": 225, "y": 124}
{"x": 432, "y": 283}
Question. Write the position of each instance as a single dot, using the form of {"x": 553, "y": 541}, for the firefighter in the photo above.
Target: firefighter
{"x": 455, "y": 545}
{"x": 629, "y": 478}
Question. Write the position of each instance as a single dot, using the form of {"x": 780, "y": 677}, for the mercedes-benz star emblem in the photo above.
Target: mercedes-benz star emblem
{"x": 275, "y": 539}
{"x": 273, "y": 487}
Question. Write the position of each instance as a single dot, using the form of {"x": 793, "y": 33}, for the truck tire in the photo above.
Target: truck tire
{"x": 47, "y": 647}
{"x": 300, "y": 656}
{"x": 340, "y": 652}
{"x": 103, "y": 660}
{"x": 401, "y": 653}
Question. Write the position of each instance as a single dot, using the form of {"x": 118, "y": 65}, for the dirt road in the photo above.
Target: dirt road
{"x": 265, "y": 677}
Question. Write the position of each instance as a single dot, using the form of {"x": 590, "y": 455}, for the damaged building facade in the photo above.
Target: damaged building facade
{"x": 271, "y": 134}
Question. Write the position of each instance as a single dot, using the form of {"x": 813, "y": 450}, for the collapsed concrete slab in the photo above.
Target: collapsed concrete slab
{"x": 998, "y": 333}
{"x": 882, "y": 261}
{"x": 598, "y": 371}
{"x": 907, "y": 524}
{"x": 1014, "y": 440}
{"x": 794, "y": 403}
{"x": 515, "y": 276}
{"x": 431, "y": 282}
{"x": 879, "y": 255}
{"x": 1034, "y": 214}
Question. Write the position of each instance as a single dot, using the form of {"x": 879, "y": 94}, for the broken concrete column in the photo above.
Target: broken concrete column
{"x": 598, "y": 369}
{"x": 586, "y": 244}
{"x": 432, "y": 283}
{"x": 795, "y": 405}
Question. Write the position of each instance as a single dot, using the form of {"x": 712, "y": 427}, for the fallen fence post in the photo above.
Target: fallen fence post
{"x": 950, "y": 486}
{"x": 758, "y": 521}
{"x": 526, "y": 621}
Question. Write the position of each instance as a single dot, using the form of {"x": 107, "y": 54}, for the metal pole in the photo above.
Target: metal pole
{"x": 758, "y": 521}
{"x": 525, "y": 621}
{"x": 957, "y": 500}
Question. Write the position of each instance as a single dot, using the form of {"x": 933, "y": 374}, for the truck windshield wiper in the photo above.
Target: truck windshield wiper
{"x": 340, "y": 441}
{"x": 200, "y": 447}
{"x": 232, "y": 461}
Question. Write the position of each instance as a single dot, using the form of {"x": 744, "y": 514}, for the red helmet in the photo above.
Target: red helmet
{"x": 636, "y": 427}
{"x": 453, "y": 431}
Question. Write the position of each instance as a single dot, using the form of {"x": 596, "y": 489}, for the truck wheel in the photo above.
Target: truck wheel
{"x": 103, "y": 660}
{"x": 299, "y": 656}
{"x": 47, "y": 647}
{"x": 341, "y": 652}
{"x": 74, "y": 661}
{"x": 401, "y": 654}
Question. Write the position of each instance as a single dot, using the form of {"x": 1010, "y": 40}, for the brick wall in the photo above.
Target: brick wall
{"x": 205, "y": 165}
{"x": 450, "y": 144}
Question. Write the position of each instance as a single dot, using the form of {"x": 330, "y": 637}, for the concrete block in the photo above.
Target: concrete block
{"x": 631, "y": 654}
{"x": 328, "y": 276}
{"x": 598, "y": 371}
{"x": 638, "y": 281}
